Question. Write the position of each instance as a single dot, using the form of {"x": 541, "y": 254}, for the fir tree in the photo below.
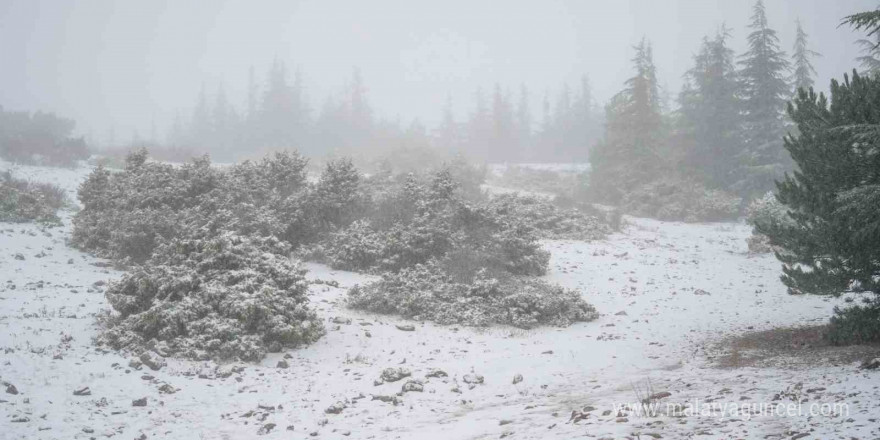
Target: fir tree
{"x": 802, "y": 77}
{"x": 709, "y": 112}
{"x": 629, "y": 154}
{"x": 764, "y": 91}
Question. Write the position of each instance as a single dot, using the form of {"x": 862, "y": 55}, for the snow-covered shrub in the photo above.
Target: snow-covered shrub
{"x": 127, "y": 214}
{"x": 423, "y": 219}
{"x": 680, "y": 199}
{"x": 548, "y": 219}
{"x": 427, "y": 292}
{"x": 765, "y": 210}
{"x": 25, "y": 201}
{"x": 337, "y": 199}
{"x": 554, "y": 182}
{"x": 224, "y": 297}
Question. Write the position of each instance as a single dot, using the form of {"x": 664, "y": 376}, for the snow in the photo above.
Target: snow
{"x": 651, "y": 271}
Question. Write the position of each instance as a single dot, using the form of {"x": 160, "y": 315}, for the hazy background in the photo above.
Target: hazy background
{"x": 128, "y": 66}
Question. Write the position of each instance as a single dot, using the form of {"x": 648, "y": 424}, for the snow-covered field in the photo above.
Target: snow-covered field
{"x": 668, "y": 293}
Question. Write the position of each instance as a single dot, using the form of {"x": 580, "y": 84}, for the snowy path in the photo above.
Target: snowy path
{"x": 655, "y": 272}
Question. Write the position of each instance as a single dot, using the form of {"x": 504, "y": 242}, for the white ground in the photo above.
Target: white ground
{"x": 651, "y": 271}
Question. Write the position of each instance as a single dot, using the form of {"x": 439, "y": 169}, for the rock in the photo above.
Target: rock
{"x": 70, "y": 261}
{"x": 517, "y": 378}
{"x": 139, "y": 402}
{"x": 282, "y": 364}
{"x": 135, "y": 363}
{"x": 504, "y": 422}
{"x": 394, "y": 374}
{"x": 21, "y": 420}
{"x": 291, "y": 427}
{"x": 801, "y": 435}
{"x": 412, "y": 385}
{"x": 472, "y": 379}
{"x": 88, "y": 430}
{"x": 406, "y": 327}
{"x": 436, "y": 373}
{"x": 167, "y": 389}
{"x": 265, "y": 429}
{"x": 19, "y": 257}
{"x": 11, "y": 389}
{"x": 701, "y": 292}
{"x": 621, "y": 313}
{"x": 341, "y": 320}
{"x": 387, "y": 399}
{"x": 83, "y": 392}
{"x": 336, "y": 408}
{"x": 141, "y": 437}
{"x": 152, "y": 360}
{"x": 871, "y": 364}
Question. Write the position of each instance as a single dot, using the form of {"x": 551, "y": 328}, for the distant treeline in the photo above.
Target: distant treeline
{"x": 277, "y": 115}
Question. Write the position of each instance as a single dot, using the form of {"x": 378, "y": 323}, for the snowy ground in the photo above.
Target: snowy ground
{"x": 681, "y": 288}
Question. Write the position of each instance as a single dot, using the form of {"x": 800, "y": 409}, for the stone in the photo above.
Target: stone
{"x": 517, "y": 378}
{"x": 406, "y": 327}
{"x": 152, "y": 360}
{"x": 139, "y": 402}
{"x": 282, "y": 364}
{"x": 336, "y": 408}
{"x": 412, "y": 385}
{"x": 394, "y": 374}
{"x": 83, "y": 392}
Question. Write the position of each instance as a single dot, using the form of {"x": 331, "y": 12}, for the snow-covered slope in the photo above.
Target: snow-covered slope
{"x": 667, "y": 291}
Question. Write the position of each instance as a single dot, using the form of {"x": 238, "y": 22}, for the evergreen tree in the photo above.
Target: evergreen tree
{"x": 629, "y": 154}
{"x": 764, "y": 91}
{"x": 833, "y": 242}
{"x": 802, "y": 77}
{"x": 710, "y": 112}
{"x": 523, "y": 125}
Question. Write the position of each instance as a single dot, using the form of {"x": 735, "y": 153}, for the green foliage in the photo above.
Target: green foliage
{"x": 857, "y": 324}
{"x": 833, "y": 244}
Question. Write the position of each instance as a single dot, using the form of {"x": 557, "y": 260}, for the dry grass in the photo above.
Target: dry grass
{"x": 788, "y": 347}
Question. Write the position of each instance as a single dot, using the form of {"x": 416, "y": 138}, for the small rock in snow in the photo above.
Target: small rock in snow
{"x": 406, "y": 327}
{"x": 139, "y": 402}
{"x": 83, "y": 392}
{"x": 517, "y": 378}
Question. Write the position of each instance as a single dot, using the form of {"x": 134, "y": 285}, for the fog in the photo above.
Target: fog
{"x": 125, "y": 67}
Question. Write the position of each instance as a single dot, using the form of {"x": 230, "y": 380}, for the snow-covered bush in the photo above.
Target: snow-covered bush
{"x": 127, "y": 214}
{"x": 427, "y": 292}
{"x": 548, "y": 219}
{"x": 680, "y": 199}
{"x": 765, "y": 210}
{"x": 25, "y": 201}
{"x": 420, "y": 220}
{"x": 223, "y": 297}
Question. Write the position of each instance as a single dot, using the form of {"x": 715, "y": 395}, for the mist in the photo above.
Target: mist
{"x": 127, "y": 69}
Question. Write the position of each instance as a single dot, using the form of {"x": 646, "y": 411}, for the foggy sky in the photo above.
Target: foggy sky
{"x": 131, "y": 63}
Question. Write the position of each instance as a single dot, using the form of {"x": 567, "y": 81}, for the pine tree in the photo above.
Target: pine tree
{"x": 764, "y": 91}
{"x": 802, "y": 77}
{"x": 523, "y": 125}
{"x": 710, "y": 112}
{"x": 629, "y": 154}
{"x": 833, "y": 243}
